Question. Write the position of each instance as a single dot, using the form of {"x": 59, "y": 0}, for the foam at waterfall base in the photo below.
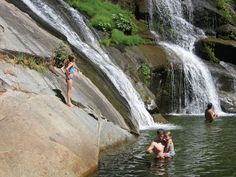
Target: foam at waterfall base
{"x": 164, "y": 126}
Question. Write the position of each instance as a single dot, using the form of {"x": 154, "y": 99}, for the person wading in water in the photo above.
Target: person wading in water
{"x": 210, "y": 115}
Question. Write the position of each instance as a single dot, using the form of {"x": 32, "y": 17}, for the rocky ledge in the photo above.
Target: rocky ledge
{"x": 42, "y": 136}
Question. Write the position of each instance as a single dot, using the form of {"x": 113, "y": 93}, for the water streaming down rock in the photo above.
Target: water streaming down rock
{"x": 168, "y": 16}
{"x": 196, "y": 85}
{"x": 198, "y": 88}
{"x": 91, "y": 49}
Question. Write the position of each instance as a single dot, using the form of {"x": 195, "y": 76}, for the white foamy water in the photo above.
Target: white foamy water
{"x": 164, "y": 126}
{"x": 170, "y": 12}
{"x": 197, "y": 86}
{"x": 92, "y": 50}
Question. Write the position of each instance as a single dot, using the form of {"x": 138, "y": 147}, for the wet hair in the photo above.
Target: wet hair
{"x": 168, "y": 133}
{"x": 160, "y": 132}
{"x": 71, "y": 58}
{"x": 209, "y": 105}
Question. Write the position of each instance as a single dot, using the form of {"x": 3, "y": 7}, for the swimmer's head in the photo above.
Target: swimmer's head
{"x": 209, "y": 105}
{"x": 168, "y": 135}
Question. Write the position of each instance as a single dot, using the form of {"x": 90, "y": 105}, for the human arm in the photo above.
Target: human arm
{"x": 67, "y": 69}
{"x": 167, "y": 147}
{"x": 213, "y": 115}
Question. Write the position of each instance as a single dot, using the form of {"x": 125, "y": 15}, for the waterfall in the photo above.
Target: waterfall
{"x": 198, "y": 86}
{"x": 87, "y": 44}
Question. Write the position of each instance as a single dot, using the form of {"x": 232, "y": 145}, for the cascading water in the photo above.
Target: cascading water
{"x": 91, "y": 49}
{"x": 198, "y": 87}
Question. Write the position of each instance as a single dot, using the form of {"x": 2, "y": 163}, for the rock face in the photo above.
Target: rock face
{"x": 41, "y": 136}
{"x": 208, "y": 16}
{"x": 223, "y": 50}
{"x": 225, "y": 82}
{"x": 84, "y": 92}
{"x": 19, "y": 33}
{"x": 131, "y": 58}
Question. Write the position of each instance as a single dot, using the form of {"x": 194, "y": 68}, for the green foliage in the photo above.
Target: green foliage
{"x": 61, "y": 54}
{"x": 106, "y": 42}
{"x": 102, "y": 22}
{"x": 30, "y": 62}
{"x": 106, "y": 16}
{"x": 222, "y": 3}
{"x": 118, "y": 37}
{"x": 145, "y": 72}
{"x": 166, "y": 32}
{"x": 124, "y": 23}
{"x": 223, "y": 6}
{"x": 211, "y": 54}
{"x": 232, "y": 35}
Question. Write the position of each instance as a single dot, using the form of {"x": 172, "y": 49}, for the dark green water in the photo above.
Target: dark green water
{"x": 202, "y": 150}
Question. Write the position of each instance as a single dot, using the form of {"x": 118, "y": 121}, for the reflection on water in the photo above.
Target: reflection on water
{"x": 202, "y": 150}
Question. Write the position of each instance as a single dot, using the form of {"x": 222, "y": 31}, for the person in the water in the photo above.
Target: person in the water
{"x": 69, "y": 71}
{"x": 157, "y": 147}
{"x": 169, "y": 148}
{"x": 210, "y": 115}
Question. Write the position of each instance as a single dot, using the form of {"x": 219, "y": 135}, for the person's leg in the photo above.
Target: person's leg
{"x": 69, "y": 91}
{"x": 155, "y": 148}
{"x": 151, "y": 147}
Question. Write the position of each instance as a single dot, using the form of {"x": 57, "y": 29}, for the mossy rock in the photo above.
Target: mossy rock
{"x": 227, "y": 32}
{"x": 224, "y": 50}
{"x": 159, "y": 118}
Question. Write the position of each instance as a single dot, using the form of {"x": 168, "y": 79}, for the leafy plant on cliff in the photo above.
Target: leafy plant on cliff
{"x": 106, "y": 16}
{"x": 30, "y": 62}
{"x": 145, "y": 72}
{"x": 166, "y": 32}
{"x": 223, "y": 6}
{"x": 211, "y": 54}
{"x": 61, "y": 53}
{"x": 123, "y": 23}
{"x": 118, "y": 37}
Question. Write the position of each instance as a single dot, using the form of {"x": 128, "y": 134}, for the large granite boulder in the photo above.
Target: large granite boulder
{"x": 19, "y": 33}
{"x": 42, "y": 136}
{"x": 84, "y": 93}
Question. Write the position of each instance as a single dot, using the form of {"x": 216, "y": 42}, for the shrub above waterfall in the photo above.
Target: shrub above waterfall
{"x": 106, "y": 16}
{"x": 118, "y": 37}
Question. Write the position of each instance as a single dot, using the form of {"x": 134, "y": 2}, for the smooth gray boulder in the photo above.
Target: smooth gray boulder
{"x": 85, "y": 93}
{"x": 41, "y": 136}
{"x": 19, "y": 33}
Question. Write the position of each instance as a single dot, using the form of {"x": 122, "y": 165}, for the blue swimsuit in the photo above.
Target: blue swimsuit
{"x": 171, "y": 153}
{"x": 71, "y": 71}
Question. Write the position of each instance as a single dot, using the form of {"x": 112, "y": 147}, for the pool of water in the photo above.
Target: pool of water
{"x": 201, "y": 150}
